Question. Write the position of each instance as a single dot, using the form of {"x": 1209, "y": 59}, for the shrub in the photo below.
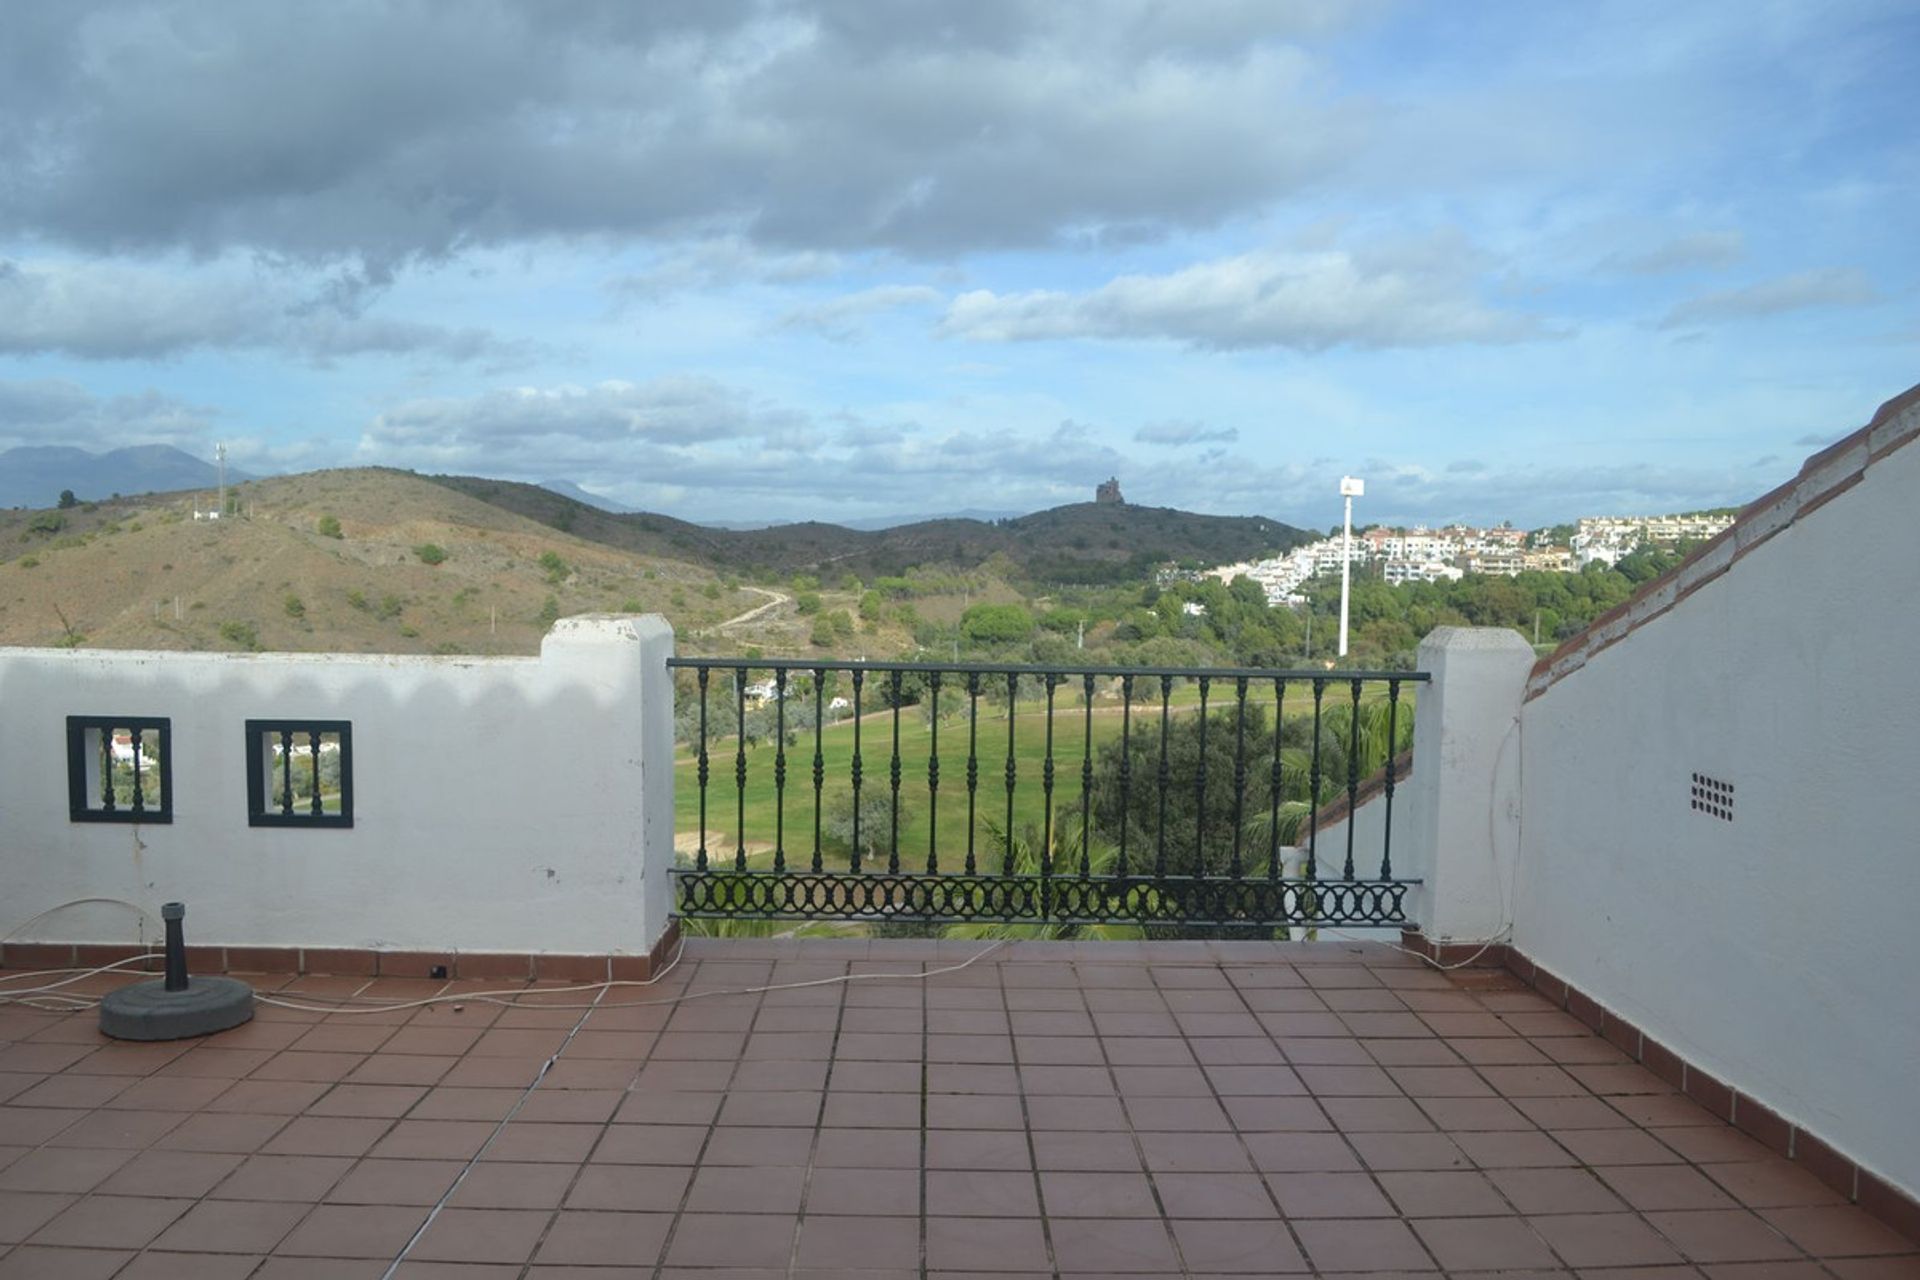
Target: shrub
{"x": 296, "y": 608}
{"x": 240, "y": 634}
{"x": 389, "y": 607}
{"x": 29, "y": 562}
{"x": 357, "y": 599}
{"x": 807, "y": 602}
{"x": 47, "y": 522}
{"x": 329, "y": 527}
{"x": 557, "y": 569}
{"x": 549, "y": 612}
{"x": 430, "y": 553}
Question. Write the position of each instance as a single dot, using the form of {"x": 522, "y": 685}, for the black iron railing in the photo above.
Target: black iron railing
{"x": 1164, "y": 795}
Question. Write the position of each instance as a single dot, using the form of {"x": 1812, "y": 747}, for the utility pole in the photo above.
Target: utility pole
{"x": 220, "y": 458}
{"x": 1080, "y": 638}
{"x": 1350, "y": 489}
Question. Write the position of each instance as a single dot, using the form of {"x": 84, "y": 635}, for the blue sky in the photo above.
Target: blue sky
{"x": 759, "y": 259}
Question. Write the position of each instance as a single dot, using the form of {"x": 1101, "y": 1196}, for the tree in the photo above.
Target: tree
{"x": 877, "y": 826}
{"x": 67, "y": 499}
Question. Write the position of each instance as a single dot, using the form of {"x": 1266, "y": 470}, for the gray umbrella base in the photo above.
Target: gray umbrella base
{"x": 148, "y": 1011}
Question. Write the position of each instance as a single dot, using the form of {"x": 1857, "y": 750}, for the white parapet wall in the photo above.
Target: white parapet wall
{"x": 1719, "y": 824}
{"x": 500, "y": 804}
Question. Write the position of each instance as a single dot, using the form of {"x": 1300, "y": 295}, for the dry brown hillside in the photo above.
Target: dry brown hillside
{"x": 142, "y": 573}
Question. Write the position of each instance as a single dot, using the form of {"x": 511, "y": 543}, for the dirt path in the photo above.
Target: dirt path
{"x": 774, "y": 601}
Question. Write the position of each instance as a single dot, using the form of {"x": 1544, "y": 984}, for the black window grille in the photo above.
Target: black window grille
{"x": 119, "y": 769}
{"x": 299, "y": 773}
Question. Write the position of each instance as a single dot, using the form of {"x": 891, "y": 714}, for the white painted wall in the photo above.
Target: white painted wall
{"x": 500, "y": 804}
{"x": 1778, "y": 951}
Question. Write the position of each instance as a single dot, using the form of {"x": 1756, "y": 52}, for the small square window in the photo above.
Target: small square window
{"x": 119, "y": 769}
{"x": 299, "y": 773}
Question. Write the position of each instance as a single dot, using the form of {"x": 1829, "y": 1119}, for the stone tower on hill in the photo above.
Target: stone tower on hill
{"x": 1109, "y": 492}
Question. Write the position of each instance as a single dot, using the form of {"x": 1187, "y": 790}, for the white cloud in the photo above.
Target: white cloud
{"x": 44, "y": 411}
{"x": 1308, "y": 301}
{"x": 1693, "y": 252}
{"x": 1185, "y": 433}
{"x": 115, "y": 310}
{"x": 840, "y": 318}
{"x": 1824, "y": 287}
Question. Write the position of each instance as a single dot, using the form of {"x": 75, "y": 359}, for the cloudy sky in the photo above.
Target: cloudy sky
{"x": 740, "y": 259}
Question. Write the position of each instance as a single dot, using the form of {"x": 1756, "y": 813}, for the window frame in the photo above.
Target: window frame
{"x": 81, "y": 789}
{"x": 260, "y": 802}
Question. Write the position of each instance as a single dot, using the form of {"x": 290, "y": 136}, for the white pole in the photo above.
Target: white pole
{"x": 1350, "y": 489}
{"x": 1346, "y": 573}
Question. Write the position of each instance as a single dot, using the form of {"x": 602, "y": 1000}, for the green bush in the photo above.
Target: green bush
{"x": 557, "y": 569}
{"x": 329, "y": 527}
{"x": 241, "y": 635}
{"x": 47, "y": 522}
{"x": 296, "y": 608}
{"x": 357, "y": 599}
{"x": 807, "y": 602}
{"x": 549, "y": 611}
{"x": 430, "y": 553}
{"x": 389, "y": 607}
{"x": 29, "y": 562}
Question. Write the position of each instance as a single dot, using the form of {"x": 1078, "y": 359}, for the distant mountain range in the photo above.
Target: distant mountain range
{"x": 1083, "y": 542}
{"x": 34, "y": 475}
{"x": 568, "y": 489}
{"x": 867, "y": 524}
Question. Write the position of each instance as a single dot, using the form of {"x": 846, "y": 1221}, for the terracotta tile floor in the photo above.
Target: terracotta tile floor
{"x": 1120, "y": 1109}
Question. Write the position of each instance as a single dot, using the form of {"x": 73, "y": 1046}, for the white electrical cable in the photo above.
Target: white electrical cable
{"x": 26, "y": 995}
{"x": 1505, "y": 933}
{"x": 506, "y": 997}
{"x": 521, "y": 998}
{"x": 77, "y": 902}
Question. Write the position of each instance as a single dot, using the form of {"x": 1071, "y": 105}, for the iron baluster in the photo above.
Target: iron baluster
{"x": 139, "y": 792}
{"x": 313, "y": 771}
{"x": 1236, "y": 868}
{"x": 740, "y": 771}
{"x": 286, "y": 772}
{"x": 1353, "y": 777}
{"x": 779, "y": 769}
{"x": 1086, "y": 776}
{"x": 933, "y": 774}
{"x": 1313, "y": 790}
{"x": 859, "y": 679}
{"x": 1200, "y": 867}
{"x": 1046, "y": 809}
{"x": 1393, "y": 743}
{"x": 819, "y": 758}
{"x": 700, "y": 853}
{"x": 105, "y": 753}
{"x": 1165, "y": 777}
{"x": 1013, "y": 694}
{"x": 973, "y": 759}
{"x": 1276, "y": 784}
{"x": 893, "y": 817}
{"x": 1126, "y": 771}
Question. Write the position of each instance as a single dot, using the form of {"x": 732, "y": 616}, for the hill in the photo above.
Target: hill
{"x": 329, "y": 561}
{"x": 1081, "y": 543}
{"x": 34, "y": 475}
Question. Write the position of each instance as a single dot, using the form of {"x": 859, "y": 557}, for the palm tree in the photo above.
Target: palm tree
{"x": 1068, "y": 842}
